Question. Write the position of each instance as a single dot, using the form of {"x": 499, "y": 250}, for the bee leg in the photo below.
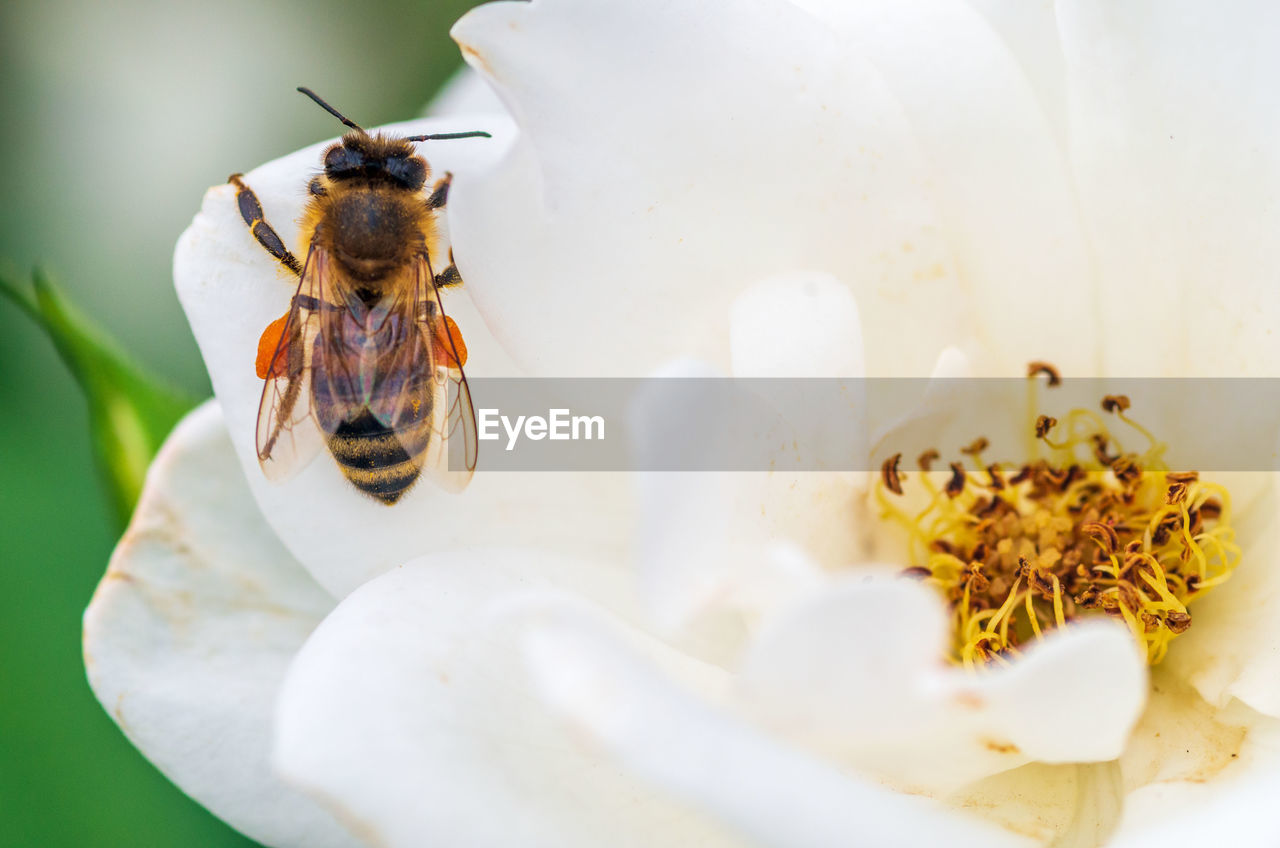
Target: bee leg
{"x": 251, "y": 212}
{"x": 440, "y": 192}
{"x": 449, "y": 276}
{"x": 439, "y": 197}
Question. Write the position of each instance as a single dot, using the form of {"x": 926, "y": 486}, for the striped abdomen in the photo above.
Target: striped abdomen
{"x": 373, "y": 396}
{"x": 378, "y": 460}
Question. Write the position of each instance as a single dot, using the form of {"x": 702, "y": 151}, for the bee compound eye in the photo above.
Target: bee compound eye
{"x": 340, "y": 158}
{"x": 410, "y": 172}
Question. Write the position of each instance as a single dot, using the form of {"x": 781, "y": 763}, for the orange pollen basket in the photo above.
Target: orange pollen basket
{"x": 447, "y": 342}
{"x": 267, "y": 346}
{"x": 444, "y": 347}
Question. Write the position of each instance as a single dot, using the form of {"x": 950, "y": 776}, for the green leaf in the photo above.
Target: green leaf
{"x": 130, "y": 411}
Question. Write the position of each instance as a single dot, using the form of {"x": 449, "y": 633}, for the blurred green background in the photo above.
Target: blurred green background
{"x": 118, "y": 117}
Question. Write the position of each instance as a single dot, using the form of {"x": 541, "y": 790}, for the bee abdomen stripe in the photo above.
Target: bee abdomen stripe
{"x": 385, "y": 481}
{"x": 379, "y": 450}
{"x": 365, "y": 443}
{"x": 380, "y": 461}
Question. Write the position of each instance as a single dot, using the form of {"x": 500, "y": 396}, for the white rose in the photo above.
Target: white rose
{"x": 564, "y": 659}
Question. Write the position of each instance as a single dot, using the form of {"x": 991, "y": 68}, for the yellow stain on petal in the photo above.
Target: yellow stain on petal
{"x": 1181, "y": 738}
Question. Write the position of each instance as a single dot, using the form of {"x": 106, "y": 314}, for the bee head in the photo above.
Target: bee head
{"x": 375, "y": 157}
{"x": 360, "y": 154}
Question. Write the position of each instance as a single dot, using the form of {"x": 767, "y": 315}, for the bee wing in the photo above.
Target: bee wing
{"x": 287, "y": 435}
{"x": 453, "y": 453}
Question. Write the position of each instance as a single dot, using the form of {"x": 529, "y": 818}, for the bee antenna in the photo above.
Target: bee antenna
{"x": 440, "y": 136}
{"x": 332, "y": 111}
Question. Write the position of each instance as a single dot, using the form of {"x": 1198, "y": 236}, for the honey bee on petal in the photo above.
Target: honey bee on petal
{"x": 365, "y": 362}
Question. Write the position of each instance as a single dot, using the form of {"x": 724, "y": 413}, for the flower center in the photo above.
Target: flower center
{"x": 1090, "y": 530}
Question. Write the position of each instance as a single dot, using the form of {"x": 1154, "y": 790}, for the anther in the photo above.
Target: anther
{"x": 889, "y": 474}
{"x": 1104, "y": 534}
{"x": 1100, "y": 442}
{"x": 1045, "y": 368}
{"x": 1126, "y": 468}
{"x": 1083, "y": 534}
{"x": 1115, "y": 403}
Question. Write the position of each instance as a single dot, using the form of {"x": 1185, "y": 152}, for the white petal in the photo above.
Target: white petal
{"x": 998, "y": 177}
{"x": 801, "y": 327}
{"x": 1175, "y": 123}
{"x": 190, "y": 633}
{"x": 942, "y": 395}
{"x": 856, "y": 670}
{"x": 231, "y": 289}
{"x": 700, "y": 151}
{"x": 796, "y": 325}
{"x": 1204, "y": 777}
{"x": 1232, "y": 649}
{"x": 1030, "y": 31}
{"x": 952, "y": 364}
{"x": 466, "y": 93}
{"x": 1063, "y": 806}
{"x": 688, "y": 548}
{"x": 669, "y": 738}
{"x": 714, "y": 545}
{"x": 409, "y": 712}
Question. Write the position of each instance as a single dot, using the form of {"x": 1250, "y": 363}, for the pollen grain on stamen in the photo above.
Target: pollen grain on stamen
{"x": 1091, "y": 530}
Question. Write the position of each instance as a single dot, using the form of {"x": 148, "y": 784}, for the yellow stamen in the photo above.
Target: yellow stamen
{"x": 1020, "y": 550}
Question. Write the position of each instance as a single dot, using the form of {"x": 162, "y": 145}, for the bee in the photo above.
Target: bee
{"x": 365, "y": 362}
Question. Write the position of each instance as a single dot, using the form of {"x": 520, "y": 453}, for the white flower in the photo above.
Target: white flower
{"x": 568, "y": 659}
